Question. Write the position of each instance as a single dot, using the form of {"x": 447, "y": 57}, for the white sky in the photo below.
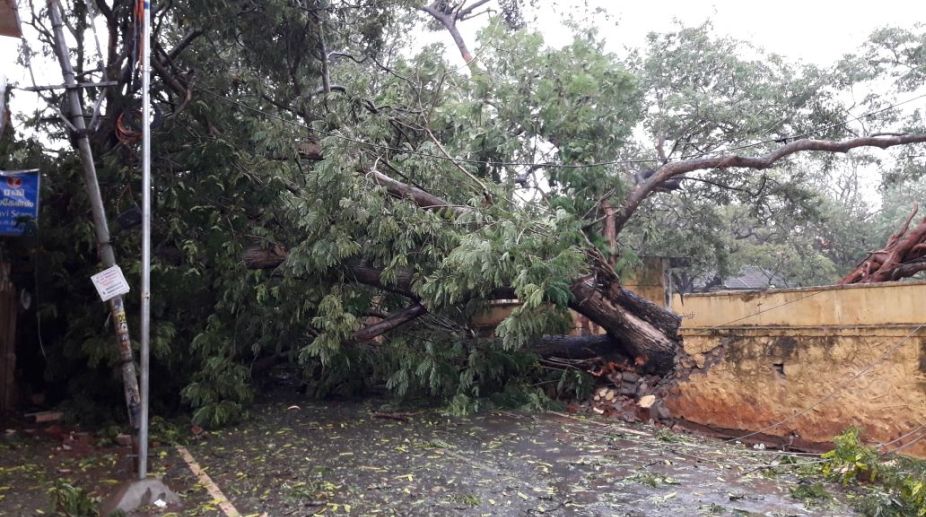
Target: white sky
{"x": 814, "y": 31}
{"x": 810, "y": 30}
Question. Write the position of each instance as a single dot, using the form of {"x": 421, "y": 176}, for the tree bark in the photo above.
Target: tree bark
{"x": 575, "y": 347}
{"x": 650, "y": 347}
{"x": 448, "y": 15}
{"x": 423, "y": 199}
{"x": 636, "y": 327}
{"x": 675, "y": 169}
{"x": 903, "y": 256}
{"x": 391, "y": 322}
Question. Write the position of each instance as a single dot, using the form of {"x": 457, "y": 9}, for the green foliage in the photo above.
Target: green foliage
{"x": 523, "y": 397}
{"x": 651, "y": 479}
{"x": 471, "y": 500}
{"x": 851, "y": 460}
{"x": 165, "y": 431}
{"x": 812, "y": 494}
{"x": 894, "y": 487}
{"x": 666, "y": 435}
{"x": 573, "y": 383}
{"x": 913, "y": 494}
{"x": 72, "y": 501}
{"x": 231, "y": 175}
{"x": 220, "y": 391}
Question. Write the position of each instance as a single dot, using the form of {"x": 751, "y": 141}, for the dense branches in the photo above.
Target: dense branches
{"x": 390, "y": 197}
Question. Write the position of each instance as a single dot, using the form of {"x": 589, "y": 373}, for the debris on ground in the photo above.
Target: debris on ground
{"x": 339, "y": 458}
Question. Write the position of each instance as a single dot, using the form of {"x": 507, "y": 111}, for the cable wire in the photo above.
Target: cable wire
{"x": 903, "y": 436}
{"x": 839, "y": 389}
{"x": 564, "y": 165}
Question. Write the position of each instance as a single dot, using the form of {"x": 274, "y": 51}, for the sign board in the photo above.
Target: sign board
{"x": 19, "y": 201}
{"x": 110, "y": 283}
{"x": 9, "y": 19}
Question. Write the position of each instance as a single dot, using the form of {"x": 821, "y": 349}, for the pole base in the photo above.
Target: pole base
{"x": 132, "y": 495}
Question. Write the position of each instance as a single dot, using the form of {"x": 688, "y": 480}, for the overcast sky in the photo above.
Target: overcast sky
{"x": 810, "y": 30}
{"x": 814, "y": 31}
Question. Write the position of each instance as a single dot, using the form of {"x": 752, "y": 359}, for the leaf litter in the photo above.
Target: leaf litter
{"x": 344, "y": 458}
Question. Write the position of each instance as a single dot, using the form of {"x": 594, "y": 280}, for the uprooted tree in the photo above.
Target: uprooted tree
{"x": 903, "y": 256}
{"x": 552, "y": 124}
{"x": 389, "y": 199}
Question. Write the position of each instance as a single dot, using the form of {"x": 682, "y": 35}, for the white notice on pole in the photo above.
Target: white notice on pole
{"x": 110, "y": 283}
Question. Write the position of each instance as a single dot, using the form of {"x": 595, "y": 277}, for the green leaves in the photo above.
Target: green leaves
{"x": 526, "y": 150}
{"x": 219, "y": 391}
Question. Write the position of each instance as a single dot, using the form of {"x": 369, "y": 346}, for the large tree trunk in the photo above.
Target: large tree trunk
{"x": 649, "y": 344}
{"x": 576, "y": 347}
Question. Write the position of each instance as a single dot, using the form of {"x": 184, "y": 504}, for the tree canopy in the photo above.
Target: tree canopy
{"x": 387, "y": 195}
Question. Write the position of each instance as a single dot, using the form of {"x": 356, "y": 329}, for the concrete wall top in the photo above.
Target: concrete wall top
{"x": 894, "y": 303}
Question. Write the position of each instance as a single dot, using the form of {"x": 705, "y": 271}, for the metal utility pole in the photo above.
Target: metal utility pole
{"x": 104, "y": 246}
{"x": 145, "y": 238}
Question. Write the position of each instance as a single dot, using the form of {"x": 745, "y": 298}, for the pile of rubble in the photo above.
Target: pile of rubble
{"x": 630, "y": 396}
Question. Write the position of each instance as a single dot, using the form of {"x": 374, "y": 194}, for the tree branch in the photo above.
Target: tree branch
{"x": 418, "y": 196}
{"x": 465, "y": 11}
{"x": 391, "y": 322}
{"x": 448, "y": 19}
{"x": 908, "y": 269}
{"x": 485, "y": 190}
{"x": 184, "y": 42}
{"x": 671, "y": 170}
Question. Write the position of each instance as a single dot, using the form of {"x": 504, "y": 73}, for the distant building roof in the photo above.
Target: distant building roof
{"x": 752, "y": 277}
{"x": 749, "y": 277}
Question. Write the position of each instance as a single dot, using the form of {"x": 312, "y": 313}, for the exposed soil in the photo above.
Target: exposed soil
{"x": 350, "y": 457}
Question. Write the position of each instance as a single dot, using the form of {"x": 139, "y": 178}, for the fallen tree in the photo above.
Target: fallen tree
{"x": 388, "y": 196}
{"x": 636, "y": 327}
{"x": 642, "y": 331}
{"x": 903, "y": 256}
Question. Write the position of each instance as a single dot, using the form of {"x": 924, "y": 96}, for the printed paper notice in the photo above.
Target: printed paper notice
{"x": 110, "y": 283}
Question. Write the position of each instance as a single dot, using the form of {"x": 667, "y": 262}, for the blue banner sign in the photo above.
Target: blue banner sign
{"x": 19, "y": 201}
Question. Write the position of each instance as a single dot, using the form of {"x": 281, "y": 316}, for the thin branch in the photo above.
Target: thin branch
{"x": 485, "y": 189}
{"x": 418, "y": 196}
{"x": 462, "y": 12}
{"x": 719, "y": 185}
{"x": 323, "y": 51}
{"x": 184, "y": 42}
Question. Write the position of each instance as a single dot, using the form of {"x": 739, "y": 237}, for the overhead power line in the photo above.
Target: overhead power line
{"x": 637, "y": 161}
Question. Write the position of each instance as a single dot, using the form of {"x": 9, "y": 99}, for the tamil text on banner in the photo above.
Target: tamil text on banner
{"x": 19, "y": 201}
